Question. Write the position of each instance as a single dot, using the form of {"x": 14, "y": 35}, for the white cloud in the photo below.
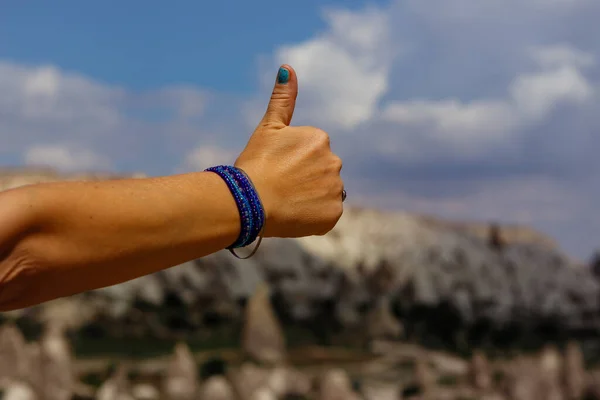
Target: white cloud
{"x": 561, "y": 55}
{"x": 465, "y": 122}
{"x": 344, "y": 71}
{"x": 43, "y": 83}
{"x": 46, "y": 94}
{"x": 484, "y": 123}
{"x": 64, "y": 157}
{"x": 535, "y": 95}
{"x": 42, "y": 107}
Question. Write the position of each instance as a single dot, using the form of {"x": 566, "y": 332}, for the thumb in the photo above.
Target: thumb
{"x": 283, "y": 100}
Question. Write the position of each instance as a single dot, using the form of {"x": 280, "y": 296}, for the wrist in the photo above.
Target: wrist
{"x": 227, "y": 222}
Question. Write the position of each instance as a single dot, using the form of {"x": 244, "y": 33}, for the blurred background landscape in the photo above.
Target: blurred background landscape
{"x": 464, "y": 266}
{"x": 388, "y": 305}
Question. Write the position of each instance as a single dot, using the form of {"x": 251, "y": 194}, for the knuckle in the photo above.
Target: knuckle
{"x": 322, "y": 137}
{"x": 279, "y": 94}
{"x": 271, "y": 124}
{"x": 336, "y": 188}
{"x": 305, "y": 132}
{"x": 337, "y": 162}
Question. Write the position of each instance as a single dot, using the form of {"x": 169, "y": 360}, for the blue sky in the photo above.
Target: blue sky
{"x": 459, "y": 108}
{"x": 149, "y": 44}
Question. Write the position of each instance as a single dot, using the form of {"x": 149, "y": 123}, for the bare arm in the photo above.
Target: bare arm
{"x": 58, "y": 239}
{"x": 67, "y": 237}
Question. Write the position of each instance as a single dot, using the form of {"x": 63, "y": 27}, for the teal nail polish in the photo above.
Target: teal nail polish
{"x": 283, "y": 76}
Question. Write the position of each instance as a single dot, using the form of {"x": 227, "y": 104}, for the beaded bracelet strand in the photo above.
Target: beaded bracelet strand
{"x": 252, "y": 215}
{"x": 242, "y": 203}
{"x": 260, "y": 228}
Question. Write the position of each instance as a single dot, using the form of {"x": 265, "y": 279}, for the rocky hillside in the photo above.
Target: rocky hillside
{"x": 435, "y": 276}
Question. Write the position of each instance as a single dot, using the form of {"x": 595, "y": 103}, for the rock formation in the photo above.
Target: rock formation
{"x": 381, "y": 391}
{"x": 264, "y": 393}
{"x": 181, "y": 381}
{"x": 437, "y": 375}
{"x": 336, "y": 385}
{"x": 117, "y": 387}
{"x": 520, "y": 387}
{"x": 248, "y": 380}
{"x": 13, "y": 359}
{"x": 217, "y": 388}
{"x": 145, "y": 391}
{"x": 57, "y": 358}
{"x": 18, "y": 390}
{"x": 263, "y": 338}
{"x": 424, "y": 378}
{"x": 380, "y": 322}
{"x": 479, "y": 372}
{"x": 549, "y": 376}
{"x": 574, "y": 372}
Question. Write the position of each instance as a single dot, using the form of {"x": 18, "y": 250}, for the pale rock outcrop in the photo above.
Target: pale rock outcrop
{"x": 521, "y": 381}
{"x": 549, "y": 374}
{"x": 335, "y": 385}
{"x": 217, "y": 388}
{"x": 13, "y": 350}
{"x": 381, "y": 391}
{"x": 425, "y": 378}
{"x": 181, "y": 382}
{"x": 574, "y": 372}
{"x": 284, "y": 381}
{"x": 57, "y": 358}
{"x": 145, "y": 391}
{"x": 263, "y": 338}
{"x": 480, "y": 373}
{"x": 117, "y": 387}
{"x": 18, "y": 390}
{"x": 47, "y": 367}
{"x": 381, "y": 324}
{"x": 263, "y": 393}
{"x": 248, "y": 379}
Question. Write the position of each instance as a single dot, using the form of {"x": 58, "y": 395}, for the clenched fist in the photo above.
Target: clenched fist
{"x": 293, "y": 168}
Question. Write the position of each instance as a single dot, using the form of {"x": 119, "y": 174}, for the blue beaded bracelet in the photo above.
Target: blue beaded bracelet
{"x": 252, "y": 214}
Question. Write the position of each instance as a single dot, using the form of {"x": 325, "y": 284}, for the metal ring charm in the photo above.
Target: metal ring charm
{"x": 343, "y": 195}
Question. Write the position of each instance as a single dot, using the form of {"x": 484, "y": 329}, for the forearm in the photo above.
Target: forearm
{"x": 80, "y": 236}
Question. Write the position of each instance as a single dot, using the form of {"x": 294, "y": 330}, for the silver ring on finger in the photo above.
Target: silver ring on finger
{"x": 343, "y": 195}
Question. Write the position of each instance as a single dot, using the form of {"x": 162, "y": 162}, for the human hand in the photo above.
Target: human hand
{"x": 293, "y": 168}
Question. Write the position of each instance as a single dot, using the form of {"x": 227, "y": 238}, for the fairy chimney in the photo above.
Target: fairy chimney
{"x": 217, "y": 388}
{"x": 263, "y": 339}
{"x": 181, "y": 381}
{"x": 336, "y": 385}
{"x": 13, "y": 360}
{"x": 479, "y": 372}
{"x": 574, "y": 378}
{"x": 550, "y": 364}
{"x": 57, "y": 359}
{"x": 381, "y": 324}
{"x": 117, "y": 387}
